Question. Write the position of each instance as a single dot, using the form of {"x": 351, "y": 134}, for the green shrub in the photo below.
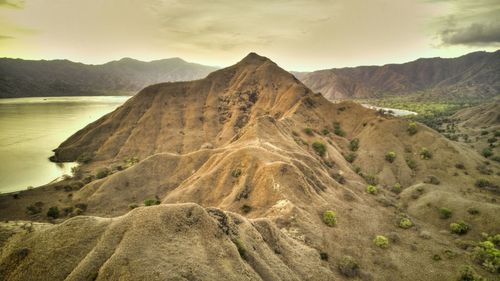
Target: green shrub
{"x": 325, "y": 131}
{"x": 487, "y": 254}
{"x": 131, "y": 161}
{"x": 338, "y": 177}
{"x": 372, "y": 189}
{"x": 34, "y": 209}
{"x": 241, "y": 248}
{"x": 396, "y": 188}
{"x": 390, "y": 156}
{"x": 497, "y": 133}
{"x": 370, "y": 179}
{"x": 246, "y": 208}
{"x": 459, "y": 227}
{"x": 350, "y": 157}
{"x": 405, "y": 223}
{"x": 330, "y": 218}
{"x": 484, "y": 133}
{"x": 487, "y": 152}
{"x": 467, "y": 273}
{"x": 473, "y": 211}
{"x": 319, "y": 147}
{"x": 309, "y": 131}
{"x": 236, "y": 173}
{"x": 412, "y": 128}
{"x": 85, "y": 158}
{"x": 323, "y": 256}
{"x": 151, "y": 202}
{"x": 354, "y": 145}
{"x": 492, "y": 140}
{"x": 53, "y": 212}
{"x": 348, "y": 266}
{"x": 381, "y": 241}
{"x": 102, "y": 173}
{"x": 425, "y": 154}
{"x": 445, "y": 213}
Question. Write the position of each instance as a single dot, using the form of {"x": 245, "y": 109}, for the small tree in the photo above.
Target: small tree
{"x": 390, "y": 156}
{"x": 412, "y": 128}
{"x": 330, "y": 218}
{"x": 319, "y": 147}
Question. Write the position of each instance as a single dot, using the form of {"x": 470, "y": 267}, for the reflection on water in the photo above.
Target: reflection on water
{"x": 31, "y": 127}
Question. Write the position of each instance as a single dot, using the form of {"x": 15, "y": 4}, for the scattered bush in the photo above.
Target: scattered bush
{"x": 319, "y": 147}
{"x": 381, "y": 241}
{"x": 487, "y": 152}
{"x": 330, "y": 218}
{"x": 460, "y": 166}
{"x": 338, "y": 130}
{"x": 325, "y": 131}
{"x": 350, "y": 157}
{"x": 487, "y": 254}
{"x": 445, "y": 213}
{"x": 396, "y": 188}
{"x": 241, "y": 248}
{"x": 323, "y": 256}
{"x": 308, "y": 131}
{"x": 459, "y": 227}
{"x": 53, "y": 212}
{"x": 370, "y": 179}
{"x": 132, "y": 206}
{"x": 84, "y": 158}
{"x": 102, "y": 173}
{"x": 372, "y": 189}
{"x": 246, "y": 208}
{"x": 492, "y": 140}
{"x": 482, "y": 183}
{"x": 348, "y": 266}
{"x": 390, "y": 156}
{"x": 473, "y": 211}
{"x": 236, "y": 172}
{"x": 76, "y": 171}
{"x": 338, "y": 177}
{"x": 131, "y": 161}
{"x": 425, "y": 154}
{"x": 411, "y": 164}
{"x": 432, "y": 180}
{"x": 467, "y": 273}
{"x": 34, "y": 209}
{"x": 484, "y": 133}
{"x": 497, "y": 134}
{"x": 151, "y": 202}
{"x": 354, "y": 145}
{"x": 412, "y": 128}
{"x": 405, "y": 223}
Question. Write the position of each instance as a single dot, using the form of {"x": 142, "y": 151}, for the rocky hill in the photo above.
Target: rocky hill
{"x": 472, "y": 76}
{"x": 257, "y": 178}
{"x": 27, "y": 78}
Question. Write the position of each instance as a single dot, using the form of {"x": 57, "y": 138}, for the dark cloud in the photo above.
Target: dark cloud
{"x": 474, "y": 34}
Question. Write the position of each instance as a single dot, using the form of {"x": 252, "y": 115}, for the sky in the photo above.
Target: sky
{"x": 301, "y": 35}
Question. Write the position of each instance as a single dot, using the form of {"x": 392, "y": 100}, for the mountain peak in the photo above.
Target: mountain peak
{"x": 254, "y": 58}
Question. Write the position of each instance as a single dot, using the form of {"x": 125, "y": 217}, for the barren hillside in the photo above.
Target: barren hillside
{"x": 472, "y": 76}
{"x": 257, "y": 178}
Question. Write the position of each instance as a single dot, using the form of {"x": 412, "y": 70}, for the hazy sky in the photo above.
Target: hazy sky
{"x": 297, "y": 34}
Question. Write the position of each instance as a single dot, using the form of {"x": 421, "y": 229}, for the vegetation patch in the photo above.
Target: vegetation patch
{"x": 445, "y": 213}
{"x": 467, "y": 273}
{"x": 396, "y": 188}
{"x": 405, "y": 223}
{"x": 354, "y": 145}
{"x": 338, "y": 130}
{"x": 246, "y": 208}
{"x": 412, "y": 128}
{"x": 487, "y": 152}
{"x": 487, "y": 253}
{"x": 372, "y": 189}
{"x": 319, "y": 147}
{"x": 236, "y": 173}
{"x": 53, "y": 212}
{"x": 390, "y": 156}
{"x": 308, "y": 131}
{"x": 459, "y": 227}
{"x": 381, "y": 241}
{"x": 350, "y": 157}
{"x": 241, "y": 248}
{"x": 102, "y": 173}
{"x": 151, "y": 202}
{"x": 323, "y": 256}
{"x": 85, "y": 158}
{"x": 425, "y": 154}
{"x": 348, "y": 266}
{"x": 330, "y": 218}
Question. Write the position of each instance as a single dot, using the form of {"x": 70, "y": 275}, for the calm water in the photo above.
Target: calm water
{"x": 31, "y": 127}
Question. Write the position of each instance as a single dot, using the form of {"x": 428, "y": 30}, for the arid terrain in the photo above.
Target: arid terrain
{"x": 248, "y": 174}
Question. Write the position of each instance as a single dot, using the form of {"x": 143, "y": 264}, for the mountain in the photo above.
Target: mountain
{"x": 472, "y": 76}
{"x": 28, "y": 78}
{"x": 256, "y": 178}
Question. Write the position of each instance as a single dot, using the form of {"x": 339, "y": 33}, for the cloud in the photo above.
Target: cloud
{"x": 18, "y": 4}
{"x": 468, "y": 23}
{"x": 474, "y": 34}
{"x": 5, "y": 37}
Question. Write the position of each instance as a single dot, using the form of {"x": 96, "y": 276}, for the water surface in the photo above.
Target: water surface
{"x": 31, "y": 127}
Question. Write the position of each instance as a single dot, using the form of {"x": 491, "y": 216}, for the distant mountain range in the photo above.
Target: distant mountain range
{"x": 29, "y": 78}
{"x": 475, "y": 75}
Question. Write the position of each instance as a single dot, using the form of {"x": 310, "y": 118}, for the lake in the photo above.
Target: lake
{"x": 30, "y": 128}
